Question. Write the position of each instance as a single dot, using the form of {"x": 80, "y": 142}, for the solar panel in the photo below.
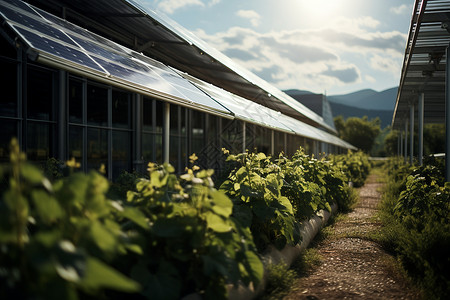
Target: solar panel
{"x": 242, "y": 108}
{"x": 48, "y": 34}
{"x": 34, "y": 24}
{"x": 44, "y": 44}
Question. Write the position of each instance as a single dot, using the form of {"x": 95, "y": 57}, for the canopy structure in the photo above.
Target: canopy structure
{"x": 423, "y": 82}
{"x": 424, "y": 62}
{"x": 156, "y": 36}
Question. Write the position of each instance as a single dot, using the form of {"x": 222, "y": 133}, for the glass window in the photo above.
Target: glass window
{"x": 76, "y": 143}
{"x": 40, "y": 93}
{"x": 121, "y": 152}
{"x": 121, "y": 109}
{"x": 39, "y": 141}
{"x": 174, "y": 119}
{"x": 159, "y": 115}
{"x": 8, "y": 100}
{"x": 9, "y": 130}
{"x": 148, "y": 142}
{"x": 97, "y": 148}
{"x": 6, "y": 49}
{"x": 147, "y": 117}
{"x": 75, "y": 101}
{"x": 97, "y": 105}
{"x": 198, "y": 132}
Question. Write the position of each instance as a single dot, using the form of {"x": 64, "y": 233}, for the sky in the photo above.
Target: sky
{"x": 323, "y": 46}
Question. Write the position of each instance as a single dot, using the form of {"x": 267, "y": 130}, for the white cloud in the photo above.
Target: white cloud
{"x": 314, "y": 59}
{"x": 251, "y": 15}
{"x": 170, "y": 6}
{"x": 385, "y": 63}
{"x": 400, "y": 10}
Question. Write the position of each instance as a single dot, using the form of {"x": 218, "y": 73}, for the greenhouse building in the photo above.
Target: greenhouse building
{"x": 110, "y": 82}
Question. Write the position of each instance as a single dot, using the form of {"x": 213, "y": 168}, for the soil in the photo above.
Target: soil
{"x": 353, "y": 266}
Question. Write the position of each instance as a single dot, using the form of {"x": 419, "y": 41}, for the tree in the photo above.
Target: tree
{"x": 360, "y": 132}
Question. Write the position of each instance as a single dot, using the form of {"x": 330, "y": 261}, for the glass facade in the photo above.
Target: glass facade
{"x": 63, "y": 115}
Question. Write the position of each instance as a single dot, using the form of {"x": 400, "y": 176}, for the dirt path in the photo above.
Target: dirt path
{"x": 354, "y": 267}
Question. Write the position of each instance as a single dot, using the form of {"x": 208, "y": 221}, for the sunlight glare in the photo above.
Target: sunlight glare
{"x": 321, "y": 9}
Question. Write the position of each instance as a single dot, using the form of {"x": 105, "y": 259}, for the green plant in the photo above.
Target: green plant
{"x": 255, "y": 189}
{"x": 279, "y": 281}
{"x": 193, "y": 244}
{"x": 416, "y": 218}
{"x": 62, "y": 235}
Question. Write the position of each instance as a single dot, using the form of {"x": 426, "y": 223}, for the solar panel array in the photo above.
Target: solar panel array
{"x": 59, "y": 39}
{"x": 63, "y": 41}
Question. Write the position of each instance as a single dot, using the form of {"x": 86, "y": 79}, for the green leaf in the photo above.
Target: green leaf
{"x": 217, "y": 223}
{"x": 47, "y": 207}
{"x": 286, "y": 203}
{"x": 222, "y": 205}
{"x": 256, "y": 267}
{"x": 103, "y": 237}
{"x": 31, "y": 173}
{"x": 99, "y": 275}
{"x": 135, "y": 215}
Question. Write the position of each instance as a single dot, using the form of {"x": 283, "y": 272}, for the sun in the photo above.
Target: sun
{"x": 321, "y": 9}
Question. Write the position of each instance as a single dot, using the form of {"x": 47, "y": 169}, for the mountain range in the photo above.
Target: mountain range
{"x": 361, "y": 103}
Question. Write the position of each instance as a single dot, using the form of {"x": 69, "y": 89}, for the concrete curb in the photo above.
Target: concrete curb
{"x": 308, "y": 230}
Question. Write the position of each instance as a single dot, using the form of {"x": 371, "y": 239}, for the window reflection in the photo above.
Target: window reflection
{"x": 40, "y": 93}
{"x": 121, "y": 152}
{"x": 75, "y": 101}
{"x": 76, "y": 143}
{"x": 8, "y": 99}
{"x": 97, "y": 148}
{"x": 121, "y": 109}
{"x": 38, "y": 141}
{"x": 9, "y": 130}
{"x": 97, "y": 105}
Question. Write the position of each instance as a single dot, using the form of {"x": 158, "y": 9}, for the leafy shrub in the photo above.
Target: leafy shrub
{"x": 192, "y": 245}
{"x": 174, "y": 236}
{"x": 356, "y": 166}
{"x": 416, "y": 214}
{"x": 255, "y": 189}
{"x": 62, "y": 235}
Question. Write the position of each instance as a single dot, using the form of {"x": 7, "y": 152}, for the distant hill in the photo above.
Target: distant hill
{"x": 368, "y": 99}
{"x": 361, "y": 103}
{"x": 350, "y": 111}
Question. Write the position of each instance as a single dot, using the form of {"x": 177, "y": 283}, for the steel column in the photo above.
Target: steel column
{"x": 447, "y": 115}
{"x": 166, "y": 132}
{"x": 411, "y": 133}
{"x": 406, "y": 141}
{"x": 62, "y": 120}
{"x": 421, "y": 120}
{"x": 244, "y": 136}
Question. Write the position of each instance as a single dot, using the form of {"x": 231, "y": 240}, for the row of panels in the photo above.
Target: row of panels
{"x": 66, "y": 45}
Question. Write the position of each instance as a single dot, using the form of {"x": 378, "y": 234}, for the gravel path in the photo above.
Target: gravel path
{"x": 354, "y": 267}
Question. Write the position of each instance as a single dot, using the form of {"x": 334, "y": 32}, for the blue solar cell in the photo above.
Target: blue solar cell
{"x": 44, "y": 44}
{"x": 147, "y": 80}
{"x": 32, "y": 23}
{"x": 20, "y": 4}
{"x": 78, "y": 30}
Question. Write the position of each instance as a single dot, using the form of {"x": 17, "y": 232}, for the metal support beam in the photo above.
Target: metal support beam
{"x": 62, "y": 122}
{"x": 244, "y": 136}
{"x": 272, "y": 143}
{"x": 447, "y": 115}
{"x": 406, "y": 141}
{"x": 138, "y": 163}
{"x": 420, "y": 133}
{"x": 166, "y": 132}
{"x": 411, "y": 133}
{"x": 401, "y": 144}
